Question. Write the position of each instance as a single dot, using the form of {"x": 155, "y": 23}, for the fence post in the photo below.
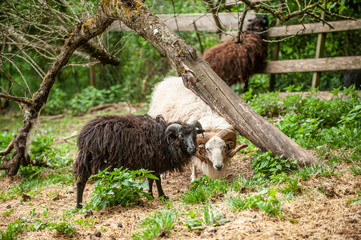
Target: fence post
{"x": 276, "y": 48}
{"x": 320, "y": 52}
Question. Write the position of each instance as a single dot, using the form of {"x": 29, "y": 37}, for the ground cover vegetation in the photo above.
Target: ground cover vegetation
{"x": 205, "y": 205}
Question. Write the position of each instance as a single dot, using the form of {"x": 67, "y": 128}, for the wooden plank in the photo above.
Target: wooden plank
{"x": 313, "y": 65}
{"x": 311, "y": 28}
{"x": 204, "y": 22}
{"x": 238, "y": 2}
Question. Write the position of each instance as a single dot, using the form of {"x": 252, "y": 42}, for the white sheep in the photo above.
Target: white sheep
{"x": 177, "y": 103}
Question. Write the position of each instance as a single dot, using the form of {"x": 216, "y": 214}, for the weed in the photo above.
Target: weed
{"x": 318, "y": 170}
{"x": 120, "y": 187}
{"x": 203, "y": 189}
{"x": 266, "y": 165}
{"x": 157, "y": 225}
{"x": 240, "y": 184}
{"x": 356, "y": 200}
{"x": 264, "y": 200}
{"x": 264, "y": 104}
{"x": 13, "y": 230}
{"x": 210, "y": 218}
{"x": 291, "y": 188}
{"x": 356, "y": 170}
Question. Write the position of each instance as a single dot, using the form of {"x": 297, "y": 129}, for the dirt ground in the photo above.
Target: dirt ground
{"x": 318, "y": 216}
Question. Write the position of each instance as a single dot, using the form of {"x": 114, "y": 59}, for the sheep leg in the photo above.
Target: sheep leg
{"x": 159, "y": 187}
{"x": 194, "y": 172}
{"x": 80, "y": 186}
{"x": 150, "y": 183}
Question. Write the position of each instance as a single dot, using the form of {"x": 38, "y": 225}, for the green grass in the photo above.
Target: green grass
{"x": 265, "y": 200}
{"x": 158, "y": 225}
{"x": 204, "y": 189}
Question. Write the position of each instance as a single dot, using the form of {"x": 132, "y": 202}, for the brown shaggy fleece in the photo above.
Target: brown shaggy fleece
{"x": 236, "y": 62}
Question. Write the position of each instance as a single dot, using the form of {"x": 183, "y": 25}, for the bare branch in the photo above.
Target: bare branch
{"x": 24, "y": 100}
{"x": 213, "y": 10}
{"x": 99, "y": 53}
{"x": 240, "y": 26}
{"x": 8, "y": 149}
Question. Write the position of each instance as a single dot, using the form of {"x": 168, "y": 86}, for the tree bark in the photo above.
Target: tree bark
{"x": 201, "y": 79}
{"x": 31, "y": 107}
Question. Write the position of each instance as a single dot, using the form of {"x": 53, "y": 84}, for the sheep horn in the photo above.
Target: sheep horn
{"x": 234, "y": 151}
{"x": 229, "y": 137}
{"x": 198, "y": 125}
{"x": 174, "y": 128}
{"x": 202, "y": 140}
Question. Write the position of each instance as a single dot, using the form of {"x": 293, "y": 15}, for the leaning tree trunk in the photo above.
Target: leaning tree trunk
{"x": 201, "y": 79}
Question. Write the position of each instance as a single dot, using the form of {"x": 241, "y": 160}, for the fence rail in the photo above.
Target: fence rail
{"x": 229, "y": 21}
{"x": 313, "y": 65}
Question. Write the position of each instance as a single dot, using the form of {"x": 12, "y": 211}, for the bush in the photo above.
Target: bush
{"x": 120, "y": 187}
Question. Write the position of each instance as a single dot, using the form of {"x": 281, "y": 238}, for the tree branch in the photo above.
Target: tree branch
{"x": 238, "y": 38}
{"x": 8, "y": 149}
{"x": 215, "y": 15}
{"x": 24, "y": 100}
{"x": 99, "y": 53}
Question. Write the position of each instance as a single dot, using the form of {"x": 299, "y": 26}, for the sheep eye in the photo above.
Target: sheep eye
{"x": 207, "y": 149}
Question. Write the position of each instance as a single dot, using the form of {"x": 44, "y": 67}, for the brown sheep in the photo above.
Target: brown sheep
{"x": 236, "y": 62}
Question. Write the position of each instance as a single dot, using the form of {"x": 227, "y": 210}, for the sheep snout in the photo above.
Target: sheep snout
{"x": 192, "y": 150}
{"x": 218, "y": 167}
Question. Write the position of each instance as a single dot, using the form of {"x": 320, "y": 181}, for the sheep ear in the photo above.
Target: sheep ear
{"x": 199, "y": 131}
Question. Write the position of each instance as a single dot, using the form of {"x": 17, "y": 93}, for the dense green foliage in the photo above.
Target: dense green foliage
{"x": 120, "y": 187}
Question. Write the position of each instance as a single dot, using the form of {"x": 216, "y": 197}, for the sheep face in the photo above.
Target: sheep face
{"x": 186, "y": 135}
{"x": 216, "y": 152}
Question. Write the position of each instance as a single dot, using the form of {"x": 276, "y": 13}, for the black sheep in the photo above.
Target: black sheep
{"x": 133, "y": 142}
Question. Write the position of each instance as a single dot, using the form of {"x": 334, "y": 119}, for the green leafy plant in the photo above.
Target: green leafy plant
{"x": 120, "y": 187}
{"x": 264, "y": 200}
{"x": 265, "y": 165}
{"x": 157, "y": 225}
{"x": 203, "y": 189}
{"x": 266, "y": 104}
{"x": 291, "y": 188}
{"x": 210, "y": 218}
{"x": 299, "y": 128}
{"x": 13, "y": 230}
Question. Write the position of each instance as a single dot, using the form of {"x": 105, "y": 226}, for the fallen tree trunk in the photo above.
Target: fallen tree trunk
{"x": 201, "y": 79}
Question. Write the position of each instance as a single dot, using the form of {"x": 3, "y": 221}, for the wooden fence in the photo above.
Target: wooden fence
{"x": 229, "y": 21}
